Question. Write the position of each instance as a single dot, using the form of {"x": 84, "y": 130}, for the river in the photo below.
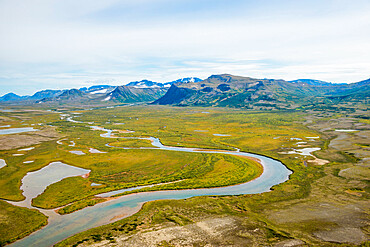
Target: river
{"x": 63, "y": 226}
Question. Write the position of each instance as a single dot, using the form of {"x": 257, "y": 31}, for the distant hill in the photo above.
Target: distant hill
{"x": 10, "y": 97}
{"x": 71, "y": 95}
{"x": 244, "y": 92}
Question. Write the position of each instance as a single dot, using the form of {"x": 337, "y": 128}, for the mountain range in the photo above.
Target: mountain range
{"x": 137, "y": 91}
{"x": 244, "y": 92}
{"x": 217, "y": 90}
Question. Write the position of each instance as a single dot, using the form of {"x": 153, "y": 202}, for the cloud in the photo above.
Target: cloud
{"x": 70, "y": 42}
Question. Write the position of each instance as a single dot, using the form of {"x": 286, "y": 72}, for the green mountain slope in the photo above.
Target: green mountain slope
{"x": 127, "y": 94}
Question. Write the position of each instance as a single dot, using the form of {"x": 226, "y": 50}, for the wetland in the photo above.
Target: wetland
{"x": 138, "y": 159}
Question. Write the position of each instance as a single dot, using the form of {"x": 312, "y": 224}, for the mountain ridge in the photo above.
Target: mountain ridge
{"x": 223, "y": 90}
{"x": 227, "y": 90}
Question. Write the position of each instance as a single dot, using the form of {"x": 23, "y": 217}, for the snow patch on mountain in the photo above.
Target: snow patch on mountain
{"x": 107, "y": 98}
{"x": 99, "y": 91}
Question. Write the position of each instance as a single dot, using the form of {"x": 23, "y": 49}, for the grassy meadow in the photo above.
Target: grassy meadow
{"x": 17, "y": 222}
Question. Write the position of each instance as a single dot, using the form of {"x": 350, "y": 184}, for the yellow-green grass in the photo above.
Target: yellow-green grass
{"x": 80, "y": 205}
{"x": 227, "y": 170}
{"x": 133, "y": 143}
{"x": 181, "y": 126}
{"x": 139, "y": 167}
{"x": 66, "y": 191}
{"x": 17, "y": 222}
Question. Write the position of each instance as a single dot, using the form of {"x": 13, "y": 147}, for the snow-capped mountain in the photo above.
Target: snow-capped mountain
{"x": 183, "y": 80}
{"x": 145, "y": 84}
{"x": 98, "y": 89}
{"x": 152, "y": 84}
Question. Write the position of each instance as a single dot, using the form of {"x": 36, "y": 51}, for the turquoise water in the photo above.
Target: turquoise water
{"x": 61, "y": 227}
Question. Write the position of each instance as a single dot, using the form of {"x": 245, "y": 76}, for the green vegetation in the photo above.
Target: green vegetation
{"x": 131, "y": 143}
{"x": 139, "y": 167}
{"x": 79, "y": 205}
{"x": 17, "y": 222}
{"x": 226, "y": 170}
{"x": 282, "y": 214}
{"x": 64, "y": 192}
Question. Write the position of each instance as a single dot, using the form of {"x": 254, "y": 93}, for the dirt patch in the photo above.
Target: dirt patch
{"x": 209, "y": 232}
{"x": 118, "y": 217}
{"x": 342, "y": 235}
{"x": 356, "y": 172}
{"x": 319, "y": 162}
{"x": 3, "y": 119}
{"x": 8, "y": 142}
{"x": 290, "y": 243}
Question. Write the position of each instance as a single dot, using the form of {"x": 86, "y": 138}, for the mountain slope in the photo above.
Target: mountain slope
{"x": 45, "y": 94}
{"x": 245, "y": 92}
{"x": 11, "y": 97}
{"x": 68, "y": 96}
{"x": 128, "y": 94}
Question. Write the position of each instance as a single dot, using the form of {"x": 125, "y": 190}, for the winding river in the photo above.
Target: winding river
{"x": 63, "y": 226}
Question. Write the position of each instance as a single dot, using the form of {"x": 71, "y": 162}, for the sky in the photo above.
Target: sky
{"x": 59, "y": 44}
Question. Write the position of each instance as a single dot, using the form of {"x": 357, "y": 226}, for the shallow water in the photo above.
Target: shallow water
{"x": 95, "y": 151}
{"x": 26, "y": 149}
{"x": 6, "y": 110}
{"x": 78, "y": 152}
{"x": 34, "y": 183}
{"x": 16, "y": 130}
{"x": 2, "y": 163}
{"x": 73, "y": 121}
{"x": 274, "y": 173}
{"x": 295, "y": 139}
{"x": 344, "y": 130}
{"x": 303, "y": 151}
{"x": 28, "y": 162}
{"x": 95, "y": 184}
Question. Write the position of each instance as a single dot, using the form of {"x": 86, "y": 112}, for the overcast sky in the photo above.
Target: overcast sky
{"x": 74, "y": 43}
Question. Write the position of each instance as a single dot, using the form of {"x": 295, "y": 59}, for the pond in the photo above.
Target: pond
{"x": 16, "y": 130}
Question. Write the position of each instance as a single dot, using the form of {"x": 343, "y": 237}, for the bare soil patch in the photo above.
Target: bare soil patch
{"x": 13, "y": 141}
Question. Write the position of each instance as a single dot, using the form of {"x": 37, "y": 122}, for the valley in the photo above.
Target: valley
{"x": 240, "y": 175}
